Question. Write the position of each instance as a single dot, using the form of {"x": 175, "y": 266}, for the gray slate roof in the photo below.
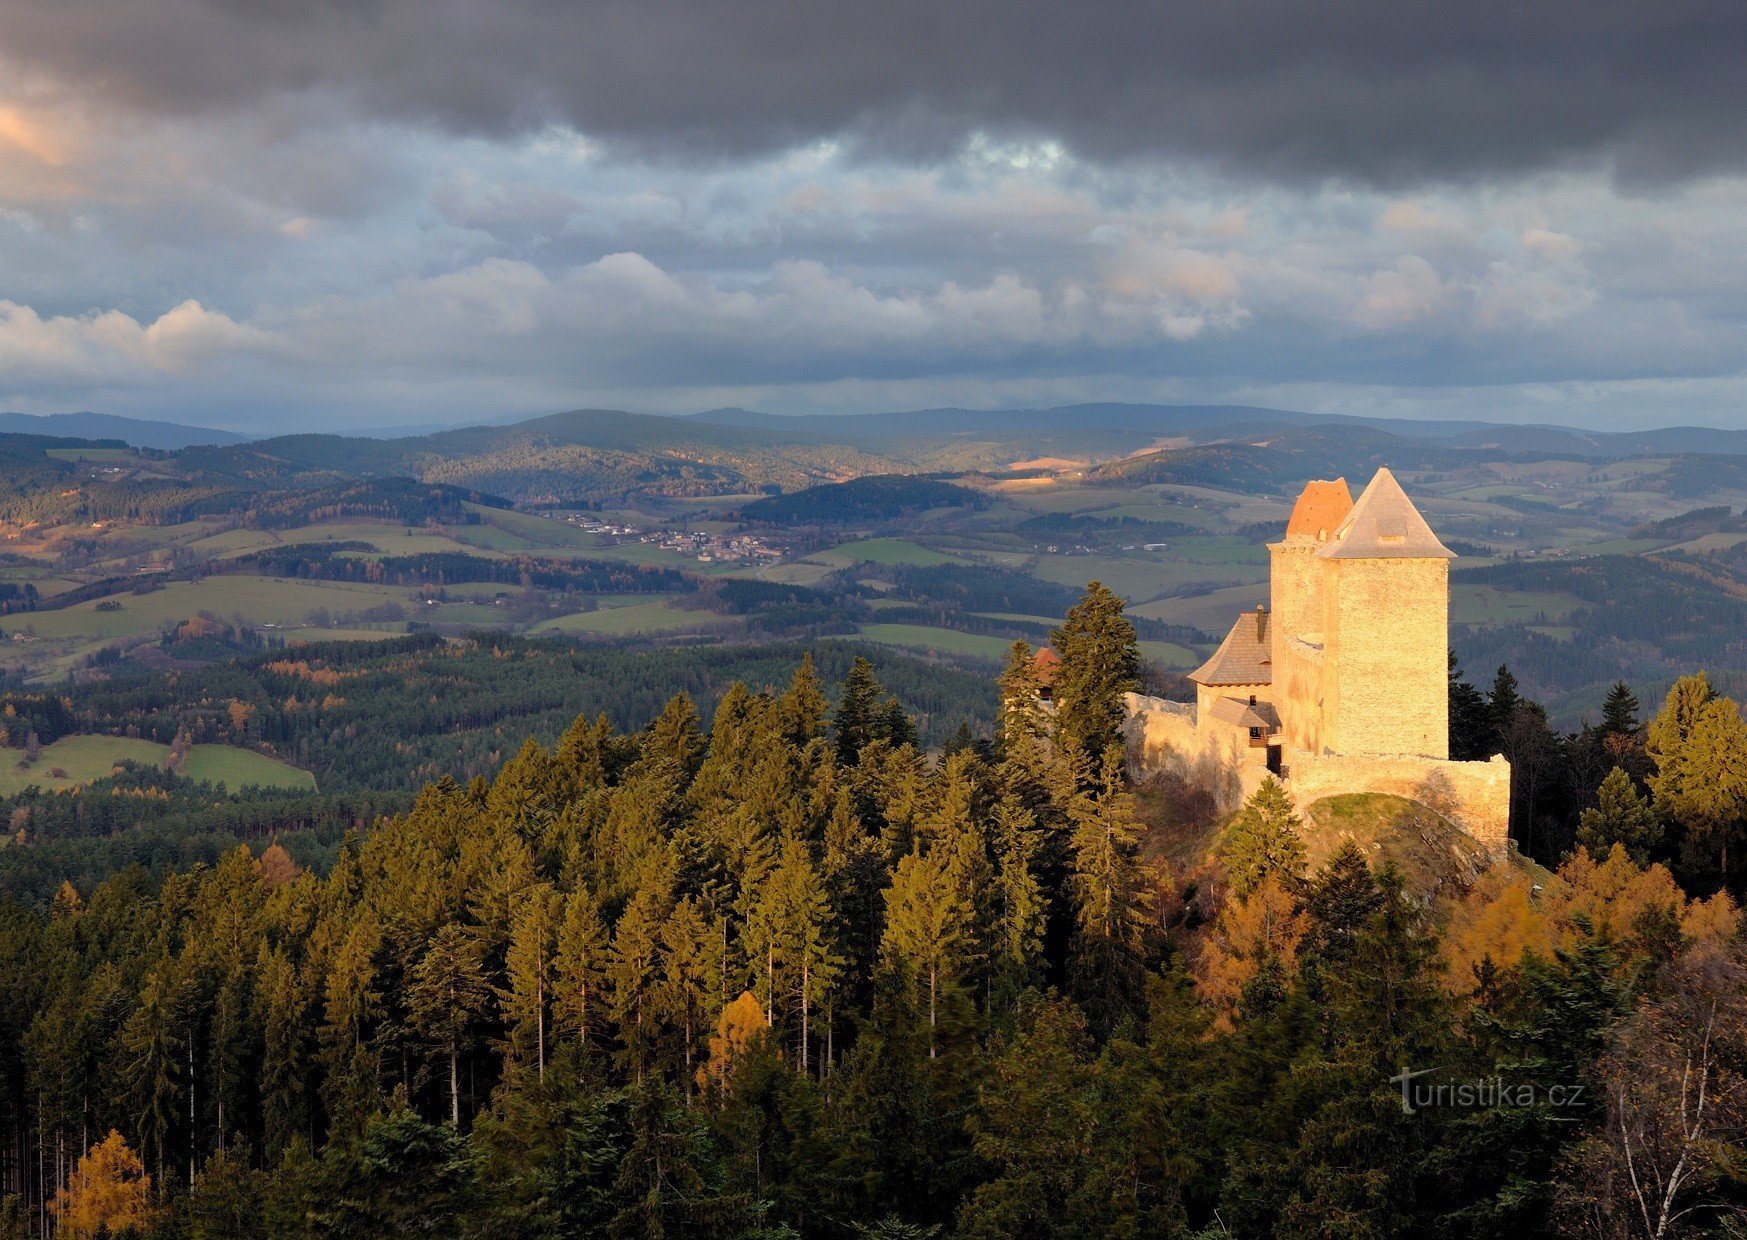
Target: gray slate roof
{"x": 1243, "y": 715}
{"x": 1244, "y": 657}
{"x": 1384, "y": 525}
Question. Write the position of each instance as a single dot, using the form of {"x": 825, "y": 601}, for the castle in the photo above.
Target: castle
{"x": 1341, "y": 683}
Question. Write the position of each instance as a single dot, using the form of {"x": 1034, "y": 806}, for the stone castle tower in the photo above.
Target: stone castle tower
{"x": 1341, "y": 684}
{"x": 1360, "y": 596}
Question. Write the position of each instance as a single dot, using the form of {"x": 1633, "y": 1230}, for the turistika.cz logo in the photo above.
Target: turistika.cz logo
{"x": 1487, "y": 1092}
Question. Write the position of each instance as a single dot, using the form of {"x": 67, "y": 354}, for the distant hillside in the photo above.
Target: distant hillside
{"x": 587, "y": 454}
{"x": 136, "y": 432}
{"x": 1100, "y": 428}
{"x": 878, "y": 497}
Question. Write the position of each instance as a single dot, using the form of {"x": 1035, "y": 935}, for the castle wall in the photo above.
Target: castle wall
{"x": 1295, "y": 601}
{"x": 1386, "y": 657}
{"x": 1473, "y": 795}
{"x": 1164, "y": 736}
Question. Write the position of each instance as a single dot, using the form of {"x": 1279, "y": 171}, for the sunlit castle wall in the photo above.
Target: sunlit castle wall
{"x": 1386, "y": 657}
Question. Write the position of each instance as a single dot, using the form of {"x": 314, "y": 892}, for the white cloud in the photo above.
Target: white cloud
{"x": 1400, "y": 295}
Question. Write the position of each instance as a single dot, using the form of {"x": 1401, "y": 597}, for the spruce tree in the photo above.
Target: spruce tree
{"x": 1503, "y": 702}
{"x": 859, "y": 711}
{"x": 1100, "y": 662}
{"x": 926, "y": 921}
{"x": 580, "y": 970}
{"x": 1473, "y": 738}
{"x": 532, "y": 965}
{"x": 1266, "y": 841}
{"x": 446, "y": 996}
{"x": 1619, "y": 712}
{"x": 1620, "y": 816}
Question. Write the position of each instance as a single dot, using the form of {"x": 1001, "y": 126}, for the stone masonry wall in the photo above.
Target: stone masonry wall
{"x": 1473, "y": 795}
{"x": 1163, "y": 736}
{"x": 1386, "y": 674}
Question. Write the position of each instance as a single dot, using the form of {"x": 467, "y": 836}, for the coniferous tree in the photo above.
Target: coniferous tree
{"x": 859, "y": 708}
{"x": 1112, "y": 903}
{"x": 446, "y": 996}
{"x": 1503, "y": 701}
{"x": 1473, "y": 733}
{"x": 1100, "y": 662}
{"x": 1020, "y": 905}
{"x": 579, "y": 981}
{"x": 531, "y": 963}
{"x": 1620, "y": 816}
{"x": 1619, "y": 711}
{"x": 926, "y": 919}
{"x": 1266, "y": 841}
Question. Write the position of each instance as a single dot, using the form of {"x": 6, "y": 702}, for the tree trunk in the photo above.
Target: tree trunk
{"x": 540, "y": 1022}
{"x": 806, "y": 979}
{"x": 454, "y": 1086}
{"x": 933, "y": 973}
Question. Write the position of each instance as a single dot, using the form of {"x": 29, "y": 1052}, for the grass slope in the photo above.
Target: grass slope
{"x": 85, "y": 758}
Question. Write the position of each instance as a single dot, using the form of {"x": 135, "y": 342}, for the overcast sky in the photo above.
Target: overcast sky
{"x": 277, "y": 214}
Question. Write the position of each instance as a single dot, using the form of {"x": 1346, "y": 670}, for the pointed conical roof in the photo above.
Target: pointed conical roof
{"x": 1384, "y": 525}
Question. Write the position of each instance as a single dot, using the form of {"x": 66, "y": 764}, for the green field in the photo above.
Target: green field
{"x": 1170, "y": 654}
{"x": 938, "y": 641}
{"x": 389, "y": 538}
{"x": 639, "y": 618}
{"x": 259, "y": 600}
{"x": 1212, "y": 613}
{"x": 85, "y": 758}
{"x": 883, "y": 551}
{"x": 1476, "y": 604}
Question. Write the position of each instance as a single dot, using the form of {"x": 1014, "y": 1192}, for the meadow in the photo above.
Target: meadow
{"x": 85, "y": 758}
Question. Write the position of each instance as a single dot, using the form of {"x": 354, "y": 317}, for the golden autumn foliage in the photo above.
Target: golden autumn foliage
{"x": 1504, "y": 918}
{"x": 740, "y": 1023}
{"x": 276, "y": 866}
{"x": 1252, "y": 933}
{"x": 109, "y": 1192}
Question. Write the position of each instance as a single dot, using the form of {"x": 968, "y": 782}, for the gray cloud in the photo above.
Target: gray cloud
{"x": 1381, "y": 90}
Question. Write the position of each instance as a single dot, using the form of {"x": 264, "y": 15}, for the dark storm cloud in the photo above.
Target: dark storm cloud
{"x": 1385, "y": 90}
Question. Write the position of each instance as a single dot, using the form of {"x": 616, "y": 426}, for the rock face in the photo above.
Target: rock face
{"x": 1340, "y": 686}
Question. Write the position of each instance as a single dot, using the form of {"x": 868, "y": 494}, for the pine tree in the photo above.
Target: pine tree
{"x": 1266, "y": 841}
{"x": 1621, "y": 817}
{"x": 447, "y": 995}
{"x": 1100, "y": 662}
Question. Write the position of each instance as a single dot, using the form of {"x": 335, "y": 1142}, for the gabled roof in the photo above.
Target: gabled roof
{"x": 1320, "y": 509}
{"x": 1384, "y": 525}
{"x": 1044, "y": 665}
{"x": 1243, "y": 658}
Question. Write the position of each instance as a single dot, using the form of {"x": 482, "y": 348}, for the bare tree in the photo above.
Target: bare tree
{"x": 1676, "y": 1108}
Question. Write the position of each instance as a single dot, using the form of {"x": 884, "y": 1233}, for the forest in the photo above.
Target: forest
{"x": 783, "y": 972}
